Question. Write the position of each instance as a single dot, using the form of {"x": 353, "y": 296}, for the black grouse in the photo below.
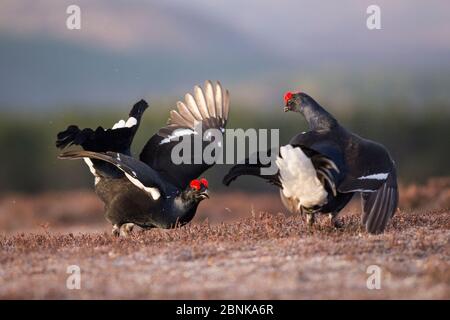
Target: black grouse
{"x": 151, "y": 191}
{"x": 320, "y": 170}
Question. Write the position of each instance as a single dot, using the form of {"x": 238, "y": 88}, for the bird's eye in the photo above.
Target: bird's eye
{"x": 195, "y": 184}
{"x": 204, "y": 182}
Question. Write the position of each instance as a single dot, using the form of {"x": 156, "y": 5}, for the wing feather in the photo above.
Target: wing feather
{"x": 201, "y": 102}
{"x": 219, "y": 100}
{"x": 192, "y": 106}
{"x": 226, "y": 105}
{"x": 379, "y": 207}
{"x": 205, "y": 107}
{"x": 384, "y": 210}
{"x": 140, "y": 174}
{"x": 373, "y": 208}
{"x": 186, "y": 113}
{"x": 210, "y": 101}
{"x": 377, "y": 216}
{"x": 178, "y": 119}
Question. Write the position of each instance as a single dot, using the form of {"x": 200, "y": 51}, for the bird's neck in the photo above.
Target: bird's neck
{"x": 183, "y": 202}
{"x": 317, "y": 117}
{"x": 184, "y": 209}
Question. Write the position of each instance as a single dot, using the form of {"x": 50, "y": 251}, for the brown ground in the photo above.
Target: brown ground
{"x": 250, "y": 255}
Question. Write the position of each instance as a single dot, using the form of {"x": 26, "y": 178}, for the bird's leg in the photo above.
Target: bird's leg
{"x": 310, "y": 218}
{"x": 334, "y": 221}
{"x": 126, "y": 229}
{"x": 115, "y": 230}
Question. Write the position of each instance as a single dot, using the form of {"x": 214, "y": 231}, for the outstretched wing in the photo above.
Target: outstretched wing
{"x": 326, "y": 170}
{"x": 247, "y": 168}
{"x": 141, "y": 175}
{"x": 379, "y": 206}
{"x": 368, "y": 167}
{"x": 207, "y": 109}
{"x": 371, "y": 171}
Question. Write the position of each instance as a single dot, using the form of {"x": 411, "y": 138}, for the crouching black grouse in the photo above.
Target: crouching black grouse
{"x": 320, "y": 170}
{"x": 152, "y": 191}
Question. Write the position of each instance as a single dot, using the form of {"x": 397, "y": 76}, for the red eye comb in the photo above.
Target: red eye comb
{"x": 204, "y": 182}
{"x": 195, "y": 184}
{"x": 287, "y": 96}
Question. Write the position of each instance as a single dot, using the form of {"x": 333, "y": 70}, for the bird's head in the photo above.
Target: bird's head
{"x": 296, "y": 101}
{"x": 197, "y": 190}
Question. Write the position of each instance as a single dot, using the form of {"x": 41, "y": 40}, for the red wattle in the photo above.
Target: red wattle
{"x": 204, "y": 182}
{"x": 195, "y": 184}
{"x": 288, "y": 96}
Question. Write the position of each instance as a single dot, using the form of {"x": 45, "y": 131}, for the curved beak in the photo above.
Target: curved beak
{"x": 288, "y": 106}
{"x": 204, "y": 195}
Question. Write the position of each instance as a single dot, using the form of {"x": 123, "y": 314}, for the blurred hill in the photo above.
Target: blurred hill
{"x": 258, "y": 48}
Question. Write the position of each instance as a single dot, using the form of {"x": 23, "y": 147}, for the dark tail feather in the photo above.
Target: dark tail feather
{"x": 102, "y": 140}
{"x": 72, "y": 135}
{"x": 138, "y": 109}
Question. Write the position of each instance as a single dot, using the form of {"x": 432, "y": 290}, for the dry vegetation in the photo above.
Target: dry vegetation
{"x": 250, "y": 255}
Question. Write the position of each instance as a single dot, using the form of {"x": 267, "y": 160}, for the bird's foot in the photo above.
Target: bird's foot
{"x": 126, "y": 229}
{"x": 115, "y": 230}
{"x": 334, "y": 222}
{"x": 310, "y": 219}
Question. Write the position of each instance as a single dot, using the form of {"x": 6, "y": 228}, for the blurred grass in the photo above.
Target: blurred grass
{"x": 417, "y": 138}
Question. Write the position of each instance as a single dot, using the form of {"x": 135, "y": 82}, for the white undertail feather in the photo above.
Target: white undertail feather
{"x": 299, "y": 179}
{"x": 132, "y": 121}
{"x": 119, "y": 124}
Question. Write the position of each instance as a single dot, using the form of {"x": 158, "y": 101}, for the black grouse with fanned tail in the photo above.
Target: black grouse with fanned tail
{"x": 320, "y": 170}
{"x": 151, "y": 191}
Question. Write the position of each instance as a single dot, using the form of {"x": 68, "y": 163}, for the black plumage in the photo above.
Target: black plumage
{"x": 345, "y": 164}
{"x": 150, "y": 191}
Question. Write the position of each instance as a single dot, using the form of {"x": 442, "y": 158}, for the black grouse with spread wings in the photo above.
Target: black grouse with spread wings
{"x": 151, "y": 191}
{"x": 320, "y": 170}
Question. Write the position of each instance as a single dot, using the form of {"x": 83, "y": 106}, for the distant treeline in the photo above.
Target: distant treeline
{"x": 419, "y": 141}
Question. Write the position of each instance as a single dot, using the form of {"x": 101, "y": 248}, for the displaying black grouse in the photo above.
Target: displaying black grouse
{"x": 151, "y": 191}
{"x": 320, "y": 170}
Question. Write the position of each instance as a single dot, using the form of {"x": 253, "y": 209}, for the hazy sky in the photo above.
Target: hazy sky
{"x": 133, "y": 48}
